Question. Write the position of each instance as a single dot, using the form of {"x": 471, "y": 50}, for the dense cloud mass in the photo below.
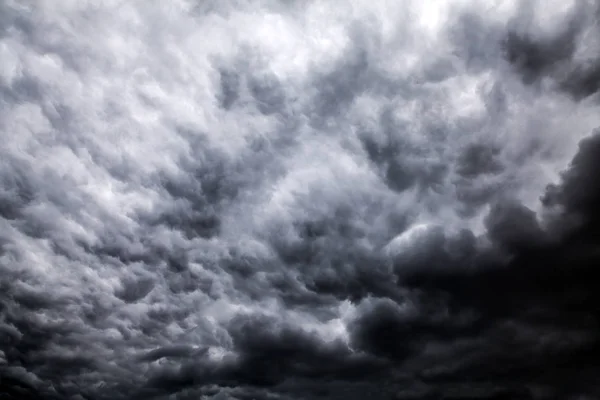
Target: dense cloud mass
{"x": 286, "y": 200}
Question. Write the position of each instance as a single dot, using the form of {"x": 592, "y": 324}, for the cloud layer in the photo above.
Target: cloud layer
{"x": 299, "y": 200}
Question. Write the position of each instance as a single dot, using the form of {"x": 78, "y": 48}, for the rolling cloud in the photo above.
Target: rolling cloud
{"x": 299, "y": 200}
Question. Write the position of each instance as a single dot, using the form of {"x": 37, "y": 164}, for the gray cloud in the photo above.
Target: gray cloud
{"x": 283, "y": 200}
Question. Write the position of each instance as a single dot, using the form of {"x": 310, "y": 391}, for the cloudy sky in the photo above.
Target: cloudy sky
{"x": 297, "y": 200}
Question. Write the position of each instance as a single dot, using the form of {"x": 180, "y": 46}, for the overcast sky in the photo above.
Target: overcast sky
{"x": 298, "y": 200}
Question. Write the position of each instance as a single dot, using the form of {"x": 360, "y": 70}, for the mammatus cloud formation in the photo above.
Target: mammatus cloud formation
{"x": 299, "y": 200}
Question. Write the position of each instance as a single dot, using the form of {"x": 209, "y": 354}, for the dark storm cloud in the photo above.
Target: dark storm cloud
{"x": 513, "y": 226}
{"x": 578, "y": 191}
{"x": 540, "y": 310}
{"x": 478, "y": 159}
{"x": 268, "y": 201}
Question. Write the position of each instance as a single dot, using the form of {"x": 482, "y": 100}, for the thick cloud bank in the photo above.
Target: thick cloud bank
{"x": 290, "y": 200}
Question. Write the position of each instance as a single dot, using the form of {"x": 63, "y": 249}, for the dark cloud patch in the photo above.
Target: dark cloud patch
{"x": 478, "y": 159}
{"x": 17, "y": 192}
{"x": 381, "y": 332}
{"x": 276, "y": 355}
{"x": 195, "y": 220}
{"x": 398, "y": 161}
{"x": 123, "y": 249}
{"x": 13, "y": 20}
{"x": 536, "y": 59}
{"x": 401, "y": 330}
{"x": 583, "y": 81}
{"x": 32, "y": 360}
{"x": 533, "y": 293}
{"x": 512, "y": 225}
{"x": 426, "y": 250}
{"x": 578, "y": 191}
{"x": 135, "y": 289}
{"x": 325, "y": 251}
{"x": 197, "y": 195}
{"x": 538, "y": 309}
{"x": 230, "y": 88}
{"x": 26, "y": 88}
{"x": 269, "y": 94}
{"x": 16, "y": 385}
{"x": 556, "y": 56}
{"x": 271, "y": 354}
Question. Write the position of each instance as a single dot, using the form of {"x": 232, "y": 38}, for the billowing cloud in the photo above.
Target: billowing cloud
{"x": 299, "y": 200}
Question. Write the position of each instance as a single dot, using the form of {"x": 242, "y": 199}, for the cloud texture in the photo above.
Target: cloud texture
{"x": 299, "y": 200}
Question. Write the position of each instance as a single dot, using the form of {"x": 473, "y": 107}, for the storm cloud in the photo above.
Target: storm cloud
{"x": 299, "y": 200}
